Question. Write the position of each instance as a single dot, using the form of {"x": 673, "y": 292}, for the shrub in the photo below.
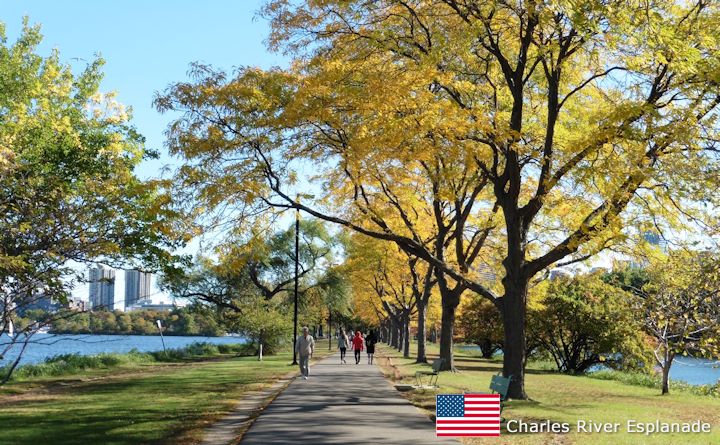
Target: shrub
{"x": 583, "y": 321}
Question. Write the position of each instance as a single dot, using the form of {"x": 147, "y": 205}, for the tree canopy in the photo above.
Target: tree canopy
{"x": 521, "y": 134}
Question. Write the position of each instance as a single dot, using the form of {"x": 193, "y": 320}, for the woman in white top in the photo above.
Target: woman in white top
{"x": 343, "y": 343}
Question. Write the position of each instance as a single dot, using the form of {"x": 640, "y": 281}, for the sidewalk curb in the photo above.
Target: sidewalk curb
{"x": 230, "y": 429}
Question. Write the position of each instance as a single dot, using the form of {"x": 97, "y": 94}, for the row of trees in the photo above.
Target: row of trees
{"x": 180, "y": 321}
{"x": 519, "y": 135}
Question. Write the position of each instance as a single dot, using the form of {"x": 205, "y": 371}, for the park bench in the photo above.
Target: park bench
{"x": 435, "y": 373}
{"x": 500, "y": 385}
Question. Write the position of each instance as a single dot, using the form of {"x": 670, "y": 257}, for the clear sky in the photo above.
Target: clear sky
{"x": 146, "y": 45}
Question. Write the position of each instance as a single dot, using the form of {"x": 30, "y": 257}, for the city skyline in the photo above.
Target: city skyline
{"x": 101, "y": 292}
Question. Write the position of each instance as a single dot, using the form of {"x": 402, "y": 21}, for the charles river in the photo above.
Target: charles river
{"x": 691, "y": 370}
{"x": 43, "y": 346}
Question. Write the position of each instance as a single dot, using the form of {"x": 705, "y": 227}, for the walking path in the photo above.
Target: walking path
{"x": 342, "y": 404}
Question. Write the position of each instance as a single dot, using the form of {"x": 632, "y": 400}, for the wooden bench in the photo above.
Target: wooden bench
{"x": 436, "y": 365}
{"x": 500, "y": 385}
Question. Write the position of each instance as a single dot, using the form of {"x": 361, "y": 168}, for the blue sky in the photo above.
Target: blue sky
{"x": 146, "y": 45}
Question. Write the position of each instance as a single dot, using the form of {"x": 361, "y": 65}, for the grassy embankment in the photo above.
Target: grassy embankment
{"x": 563, "y": 398}
{"x": 128, "y": 399}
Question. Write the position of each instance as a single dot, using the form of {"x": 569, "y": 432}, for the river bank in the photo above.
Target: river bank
{"x": 44, "y": 346}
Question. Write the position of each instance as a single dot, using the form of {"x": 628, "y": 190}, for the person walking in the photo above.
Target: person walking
{"x": 343, "y": 343}
{"x": 305, "y": 346}
{"x": 358, "y": 346}
{"x": 370, "y": 342}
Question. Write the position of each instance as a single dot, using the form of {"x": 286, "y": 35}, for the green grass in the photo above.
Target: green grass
{"x": 130, "y": 400}
{"x": 73, "y": 363}
{"x": 565, "y": 398}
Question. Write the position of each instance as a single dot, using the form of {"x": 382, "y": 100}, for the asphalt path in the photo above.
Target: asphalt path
{"x": 342, "y": 404}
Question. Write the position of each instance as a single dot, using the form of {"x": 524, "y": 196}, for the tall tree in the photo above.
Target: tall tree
{"x": 528, "y": 132}
{"x": 68, "y": 191}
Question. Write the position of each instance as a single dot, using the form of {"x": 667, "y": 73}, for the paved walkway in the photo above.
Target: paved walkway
{"x": 342, "y": 404}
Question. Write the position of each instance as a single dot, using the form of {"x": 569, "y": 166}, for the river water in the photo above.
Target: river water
{"x": 42, "y": 346}
{"x": 695, "y": 371}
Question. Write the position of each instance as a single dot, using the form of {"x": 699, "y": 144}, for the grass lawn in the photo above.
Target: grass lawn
{"x": 134, "y": 404}
{"x": 563, "y": 398}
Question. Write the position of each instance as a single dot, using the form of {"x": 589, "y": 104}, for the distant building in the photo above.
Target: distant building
{"x": 102, "y": 288}
{"x": 76, "y": 304}
{"x": 656, "y": 239}
{"x": 558, "y": 274}
{"x": 138, "y": 286}
{"x": 147, "y": 305}
{"x": 35, "y": 300}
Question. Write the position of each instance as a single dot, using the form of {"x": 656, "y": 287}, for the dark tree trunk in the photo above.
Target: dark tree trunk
{"x": 486, "y": 348}
{"x": 401, "y": 336}
{"x": 450, "y": 299}
{"x": 406, "y": 335}
{"x": 393, "y": 333}
{"x": 421, "y": 357}
{"x": 513, "y": 312}
{"x": 446, "y": 334}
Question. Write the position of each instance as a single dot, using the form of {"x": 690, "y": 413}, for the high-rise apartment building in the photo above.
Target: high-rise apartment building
{"x": 137, "y": 286}
{"x": 102, "y": 288}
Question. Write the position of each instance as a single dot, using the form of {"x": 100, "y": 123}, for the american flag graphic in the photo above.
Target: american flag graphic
{"x": 467, "y": 415}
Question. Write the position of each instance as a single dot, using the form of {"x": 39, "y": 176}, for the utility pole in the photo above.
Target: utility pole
{"x": 297, "y": 267}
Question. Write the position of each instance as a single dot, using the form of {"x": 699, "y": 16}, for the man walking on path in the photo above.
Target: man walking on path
{"x": 357, "y": 342}
{"x": 305, "y": 346}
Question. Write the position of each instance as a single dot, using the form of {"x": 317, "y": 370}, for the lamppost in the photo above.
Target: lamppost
{"x": 297, "y": 268}
{"x": 297, "y": 264}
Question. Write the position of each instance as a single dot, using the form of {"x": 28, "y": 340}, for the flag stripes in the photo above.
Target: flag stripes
{"x": 467, "y": 415}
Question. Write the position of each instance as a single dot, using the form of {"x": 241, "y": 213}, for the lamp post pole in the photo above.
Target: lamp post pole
{"x": 297, "y": 267}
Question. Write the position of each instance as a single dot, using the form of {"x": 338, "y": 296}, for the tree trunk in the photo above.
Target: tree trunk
{"x": 486, "y": 348}
{"x": 666, "y": 372}
{"x": 513, "y": 312}
{"x": 421, "y": 358}
{"x": 401, "y": 336}
{"x": 393, "y": 333}
{"x": 329, "y": 331}
{"x": 406, "y": 335}
{"x": 447, "y": 327}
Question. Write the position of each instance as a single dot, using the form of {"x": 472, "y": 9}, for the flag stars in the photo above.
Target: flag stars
{"x": 450, "y": 405}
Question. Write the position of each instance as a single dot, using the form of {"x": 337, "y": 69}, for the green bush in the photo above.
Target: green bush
{"x": 582, "y": 322}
